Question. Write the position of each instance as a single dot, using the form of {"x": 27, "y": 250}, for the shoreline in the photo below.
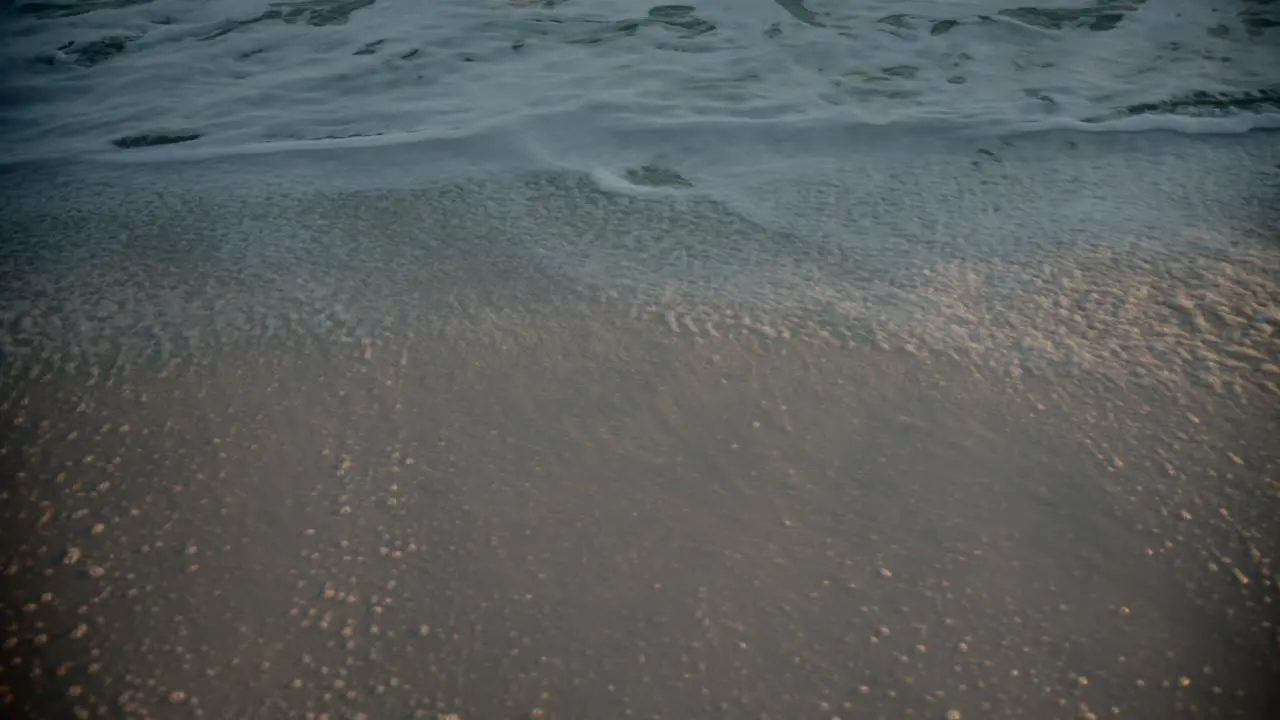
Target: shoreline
{"x": 920, "y": 434}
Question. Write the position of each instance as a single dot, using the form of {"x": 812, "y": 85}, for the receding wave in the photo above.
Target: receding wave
{"x": 1139, "y": 259}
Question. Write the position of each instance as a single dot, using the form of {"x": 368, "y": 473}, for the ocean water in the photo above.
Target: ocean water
{"x": 373, "y": 359}
{"x": 241, "y": 73}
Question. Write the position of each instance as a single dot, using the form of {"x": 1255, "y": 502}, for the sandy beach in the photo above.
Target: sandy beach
{"x": 388, "y": 466}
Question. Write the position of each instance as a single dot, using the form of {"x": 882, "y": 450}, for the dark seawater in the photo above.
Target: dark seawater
{"x": 226, "y": 75}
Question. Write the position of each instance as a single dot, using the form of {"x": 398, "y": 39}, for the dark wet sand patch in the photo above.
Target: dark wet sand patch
{"x": 153, "y": 139}
{"x": 96, "y": 52}
{"x": 47, "y": 10}
{"x": 584, "y": 514}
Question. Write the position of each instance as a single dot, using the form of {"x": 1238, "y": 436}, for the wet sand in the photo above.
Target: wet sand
{"x": 591, "y": 518}
{"x": 503, "y": 497}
